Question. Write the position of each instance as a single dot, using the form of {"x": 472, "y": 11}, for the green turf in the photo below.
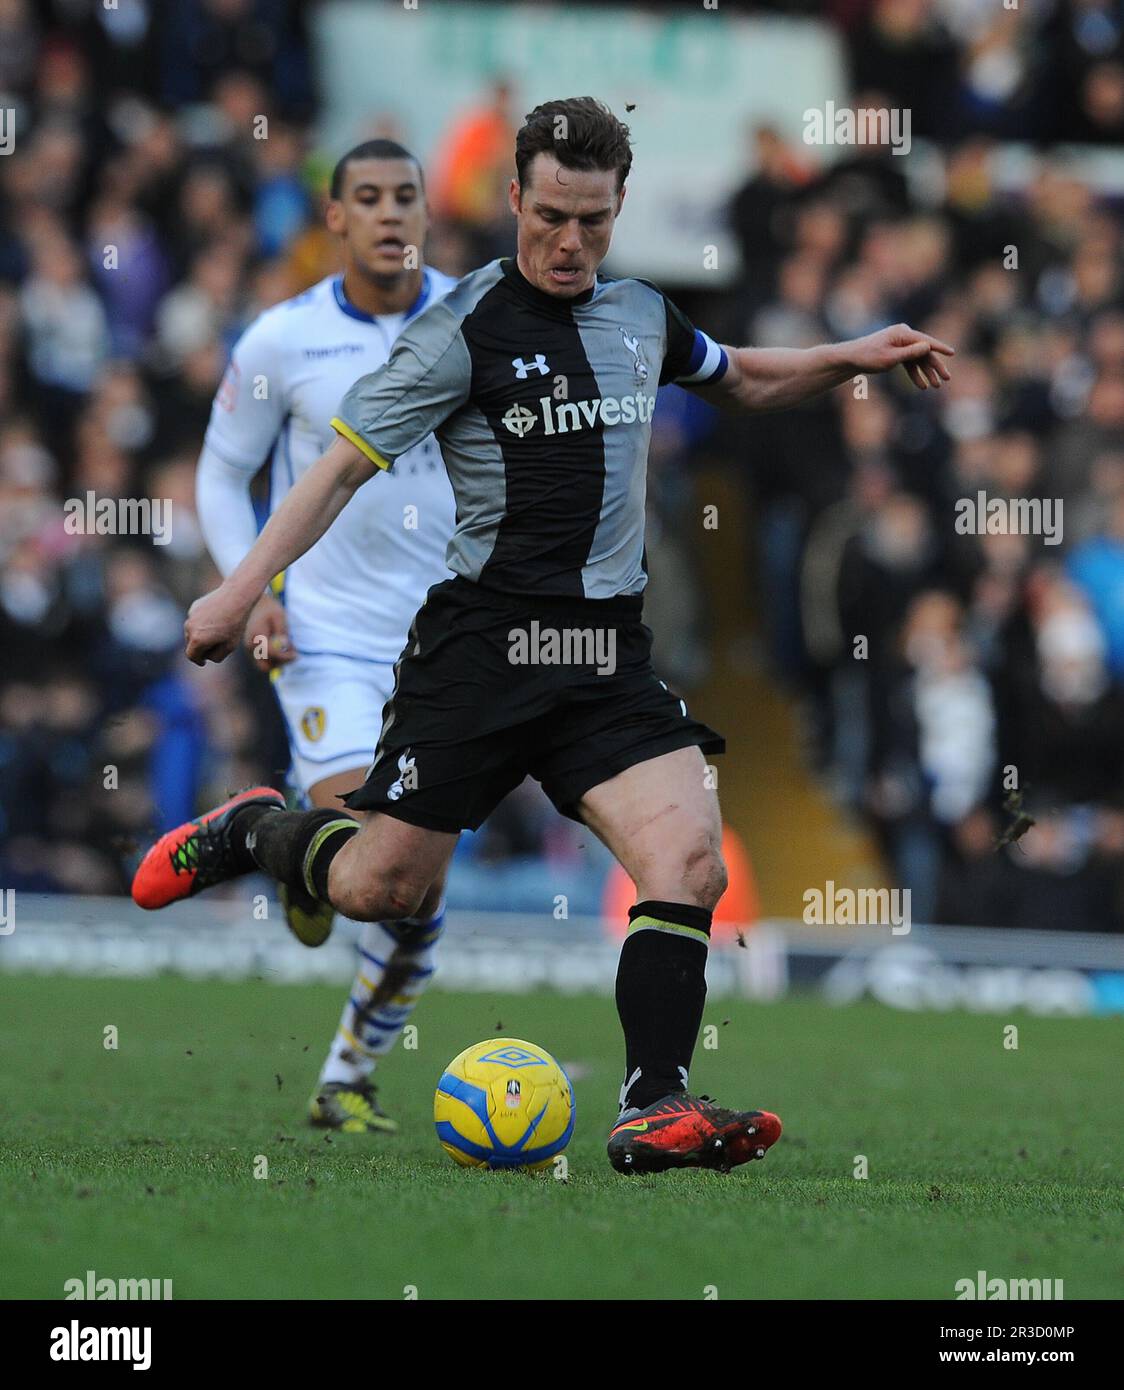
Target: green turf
{"x": 139, "y": 1162}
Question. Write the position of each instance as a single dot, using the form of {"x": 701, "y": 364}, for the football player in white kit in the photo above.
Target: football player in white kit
{"x": 333, "y": 633}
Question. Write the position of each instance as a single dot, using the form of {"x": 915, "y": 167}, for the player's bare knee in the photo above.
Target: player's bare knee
{"x": 704, "y": 873}
{"x": 382, "y": 902}
{"x": 355, "y": 891}
{"x": 431, "y": 901}
{"x": 353, "y": 901}
{"x": 403, "y": 896}
{"x": 719, "y": 880}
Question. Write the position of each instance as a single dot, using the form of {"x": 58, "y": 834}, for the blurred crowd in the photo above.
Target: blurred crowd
{"x": 960, "y": 674}
{"x": 1041, "y": 70}
{"x": 160, "y": 186}
{"x": 143, "y": 226}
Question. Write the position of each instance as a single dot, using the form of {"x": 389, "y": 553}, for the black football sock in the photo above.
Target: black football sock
{"x": 661, "y": 989}
{"x": 296, "y": 847}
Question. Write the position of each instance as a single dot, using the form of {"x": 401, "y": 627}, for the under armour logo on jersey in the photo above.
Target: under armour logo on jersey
{"x": 518, "y": 420}
{"x": 522, "y": 368}
{"x": 633, "y": 345}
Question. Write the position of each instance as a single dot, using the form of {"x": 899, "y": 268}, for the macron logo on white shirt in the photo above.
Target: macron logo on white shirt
{"x": 344, "y": 349}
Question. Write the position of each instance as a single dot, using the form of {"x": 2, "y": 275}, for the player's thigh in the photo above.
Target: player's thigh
{"x": 389, "y": 869}
{"x": 661, "y": 820}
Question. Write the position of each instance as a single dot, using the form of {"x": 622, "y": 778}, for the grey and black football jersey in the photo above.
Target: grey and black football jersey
{"x": 542, "y": 407}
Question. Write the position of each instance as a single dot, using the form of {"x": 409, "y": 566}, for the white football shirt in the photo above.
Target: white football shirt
{"x": 356, "y": 591}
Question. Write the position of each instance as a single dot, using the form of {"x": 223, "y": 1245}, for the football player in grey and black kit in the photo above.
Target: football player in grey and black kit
{"x": 538, "y": 377}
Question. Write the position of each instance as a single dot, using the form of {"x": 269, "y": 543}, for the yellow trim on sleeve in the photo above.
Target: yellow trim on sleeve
{"x": 359, "y": 442}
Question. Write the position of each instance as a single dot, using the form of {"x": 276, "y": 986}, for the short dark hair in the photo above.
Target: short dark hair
{"x": 372, "y": 149}
{"x": 592, "y": 137}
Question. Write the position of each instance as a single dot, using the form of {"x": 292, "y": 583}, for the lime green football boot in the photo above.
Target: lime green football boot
{"x": 351, "y": 1108}
{"x": 307, "y": 918}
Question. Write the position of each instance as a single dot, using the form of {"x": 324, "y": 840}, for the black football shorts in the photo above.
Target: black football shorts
{"x": 492, "y": 688}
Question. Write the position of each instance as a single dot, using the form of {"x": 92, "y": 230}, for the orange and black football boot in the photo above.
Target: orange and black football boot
{"x": 683, "y": 1131}
{"x": 199, "y": 854}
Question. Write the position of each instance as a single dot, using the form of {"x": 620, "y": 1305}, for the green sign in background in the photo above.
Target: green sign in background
{"x": 698, "y": 81}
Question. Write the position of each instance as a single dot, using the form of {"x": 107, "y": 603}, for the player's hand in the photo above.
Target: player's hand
{"x": 214, "y": 626}
{"x": 267, "y": 635}
{"x": 919, "y": 353}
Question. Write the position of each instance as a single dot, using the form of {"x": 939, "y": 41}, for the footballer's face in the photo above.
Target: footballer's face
{"x": 564, "y": 223}
{"x": 380, "y": 214}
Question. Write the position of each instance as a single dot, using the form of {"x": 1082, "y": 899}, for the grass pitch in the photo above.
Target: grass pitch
{"x": 140, "y": 1162}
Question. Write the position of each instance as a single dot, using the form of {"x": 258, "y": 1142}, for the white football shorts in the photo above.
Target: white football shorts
{"x": 333, "y": 708}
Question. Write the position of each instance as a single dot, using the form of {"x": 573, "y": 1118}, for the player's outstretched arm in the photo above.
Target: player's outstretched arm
{"x": 216, "y": 622}
{"x": 777, "y": 378}
{"x": 230, "y": 528}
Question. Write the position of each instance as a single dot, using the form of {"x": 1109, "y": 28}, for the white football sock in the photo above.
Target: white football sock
{"x": 396, "y": 962}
